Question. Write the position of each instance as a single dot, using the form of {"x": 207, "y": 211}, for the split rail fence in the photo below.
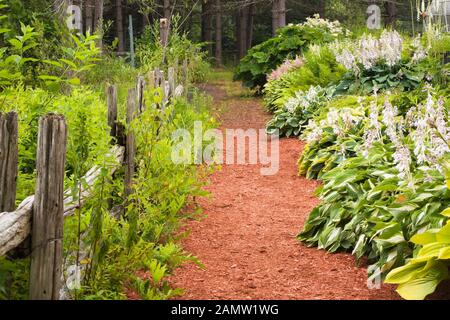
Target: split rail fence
{"x": 37, "y": 223}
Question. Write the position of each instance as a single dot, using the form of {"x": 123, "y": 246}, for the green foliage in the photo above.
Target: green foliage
{"x": 289, "y": 42}
{"x": 13, "y": 59}
{"x": 298, "y": 110}
{"x": 320, "y": 69}
{"x": 127, "y": 238}
{"x": 421, "y": 275}
{"x": 137, "y": 250}
{"x": 151, "y": 54}
{"x": 369, "y": 206}
{"x": 381, "y": 77}
{"x": 76, "y": 61}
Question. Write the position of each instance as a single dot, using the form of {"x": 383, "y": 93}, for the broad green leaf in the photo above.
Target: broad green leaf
{"x": 446, "y": 212}
{"x": 444, "y": 253}
{"x": 443, "y": 236}
{"x": 404, "y": 273}
{"x": 429, "y": 252}
{"x": 424, "y": 238}
{"x": 424, "y": 282}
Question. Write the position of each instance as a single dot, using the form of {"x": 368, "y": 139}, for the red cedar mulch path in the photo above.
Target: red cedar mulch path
{"x": 248, "y": 241}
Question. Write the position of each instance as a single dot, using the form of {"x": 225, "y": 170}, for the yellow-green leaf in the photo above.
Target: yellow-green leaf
{"x": 424, "y": 238}
{"x": 444, "y": 253}
{"x": 404, "y": 273}
{"x": 446, "y": 212}
{"x": 425, "y": 282}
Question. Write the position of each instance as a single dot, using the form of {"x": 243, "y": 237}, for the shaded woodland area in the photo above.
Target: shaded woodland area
{"x": 227, "y": 28}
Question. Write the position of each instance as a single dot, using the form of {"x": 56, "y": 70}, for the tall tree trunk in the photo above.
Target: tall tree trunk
{"x": 243, "y": 33}
{"x": 282, "y": 13}
{"x": 322, "y": 7}
{"x": 278, "y": 15}
{"x": 206, "y": 24}
{"x": 98, "y": 16}
{"x": 391, "y": 10}
{"x": 275, "y": 9}
{"x": 166, "y": 9}
{"x": 249, "y": 36}
{"x": 119, "y": 26}
{"x": 98, "y": 20}
{"x": 89, "y": 15}
{"x": 238, "y": 33}
{"x": 218, "y": 51}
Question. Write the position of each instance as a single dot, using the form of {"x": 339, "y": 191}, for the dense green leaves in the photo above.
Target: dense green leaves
{"x": 289, "y": 42}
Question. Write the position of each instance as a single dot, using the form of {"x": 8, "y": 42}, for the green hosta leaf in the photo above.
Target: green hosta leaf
{"x": 444, "y": 253}
{"x": 358, "y": 251}
{"x": 424, "y": 238}
{"x": 443, "y": 236}
{"x": 429, "y": 251}
{"x": 446, "y": 212}
{"x": 424, "y": 282}
{"x": 404, "y": 273}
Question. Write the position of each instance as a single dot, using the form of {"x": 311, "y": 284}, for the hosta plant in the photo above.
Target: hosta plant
{"x": 421, "y": 275}
{"x": 390, "y": 187}
{"x": 298, "y": 110}
{"x": 382, "y": 63}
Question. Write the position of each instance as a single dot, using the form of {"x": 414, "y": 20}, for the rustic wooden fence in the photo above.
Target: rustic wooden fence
{"x": 39, "y": 219}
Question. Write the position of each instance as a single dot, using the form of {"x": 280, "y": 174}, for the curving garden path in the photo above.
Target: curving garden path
{"x": 247, "y": 242}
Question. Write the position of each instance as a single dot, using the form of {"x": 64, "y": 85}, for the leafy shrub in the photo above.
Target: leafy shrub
{"x": 151, "y": 54}
{"x": 320, "y": 69}
{"x": 298, "y": 110}
{"x": 421, "y": 275}
{"x": 382, "y": 179}
{"x": 382, "y": 63}
{"x": 289, "y": 42}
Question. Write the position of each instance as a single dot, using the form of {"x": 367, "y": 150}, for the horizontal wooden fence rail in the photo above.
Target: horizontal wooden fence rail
{"x": 41, "y": 215}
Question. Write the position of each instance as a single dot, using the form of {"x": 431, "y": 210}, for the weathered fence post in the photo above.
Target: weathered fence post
{"x": 171, "y": 79}
{"x": 164, "y": 31}
{"x": 48, "y": 210}
{"x": 8, "y": 160}
{"x": 151, "y": 79}
{"x": 166, "y": 90}
{"x": 140, "y": 93}
{"x": 111, "y": 97}
{"x": 130, "y": 30}
{"x": 130, "y": 145}
{"x": 185, "y": 73}
{"x": 159, "y": 82}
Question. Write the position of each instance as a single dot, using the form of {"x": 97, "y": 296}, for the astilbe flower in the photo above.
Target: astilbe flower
{"x": 285, "y": 67}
